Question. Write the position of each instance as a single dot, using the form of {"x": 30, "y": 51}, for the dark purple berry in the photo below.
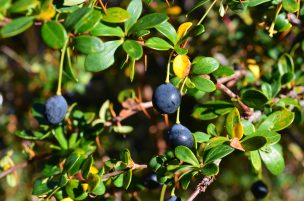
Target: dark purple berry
{"x": 55, "y": 109}
{"x": 174, "y": 198}
{"x": 151, "y": 182}
{"x": 180, "y": 135}
{"x": 259, "y": 189}
{"x": 166, "y": 98}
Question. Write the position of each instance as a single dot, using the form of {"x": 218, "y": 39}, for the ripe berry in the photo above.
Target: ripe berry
{"x": 259, "y": 189}
{"x": 174, "y": 198}
{"x": 180, "y": 135}
{"x": 166, "y": 98}
{"x": 151, "y": 182}
{"x": 55, "y": 109}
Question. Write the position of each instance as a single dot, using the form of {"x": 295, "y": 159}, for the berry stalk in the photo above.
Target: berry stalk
{"x": 178, "y": 109}
{"x": 63, "y": 50}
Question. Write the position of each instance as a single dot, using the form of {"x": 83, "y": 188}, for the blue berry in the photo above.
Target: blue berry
{"x": 259, "y": 189}
{"x": 55, "y": 109}
{"x": 174, "y": 198}
{"x": 166, "y": 98}
{"x": 151, "y": 181}
{"x": 180, "y": 135}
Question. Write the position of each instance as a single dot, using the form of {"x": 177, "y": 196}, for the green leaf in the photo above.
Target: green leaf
{"x": 67, "y": 66}
{"x": 16, "y": 26}
{"x": 181, "y": 51}
{"x": 58, "y": 133}
{"x": 201, "y": 137}
{"x": 125, "y": 156}
{"x": 88, "y": 22}
{"x": 93, "y": 181}
{"x": 216, "y": 141}
{"x": 223, "y": 71}
{"x": 76, "y": 16}
{"x": 256, "y": 160}
{"x": 134, "y": 9}
{"x": 285, "y": 64}
{"x": 272, "y": 137}
{"x": 156, "y": 162}
{"x": 210, "y": 169}
{"x": 102, "y": 60}
{"x": 254, "y": 98}
{"x": 127, "y": 178}
{"x": 217, "y": 152}
{"x": 236, "y": 5}
{"x": 273, "y": 160}
{"x": 42, "y": 187}
{"x": 148, "y": 21}
{"x": 133, "y": 49}
{"x": 23, "y": 6}
{"x": 71, "y": 161}
{"x": 186, "y": 178}
{"x": 197, "y": 30}
{"x": 204, "y": 65}
{"x": 100, "y": 189}
{"x": 277, "y": 121}
{"x": 75, "y": 190}
{"x": 211, "y": 129}
{"x": 290, "y": 5}
{"x": 203, "y": 84}
{"x": 32, "y": 135}
{"x": 253, "y": 142}
{"x": 158, "y": 44}
{"x": 88, "y": 44}
{"x": 167, "y": 30}
{"x": 86, "y": 166}
{"x": 212, "y": 109}
{"x": 116, "y": 15}
{"x": 72, "y": 2}
{"x": 253, "y": 3}
{"x": 248, "y": 127}
{"x": 54, "y": 34}
{"x": 197, "y": 5}
{"x": 102, "y": 29}
{"x": 185, "y": 154}
{"x": 282, "y": 23}
{"x": 50, "y": 170}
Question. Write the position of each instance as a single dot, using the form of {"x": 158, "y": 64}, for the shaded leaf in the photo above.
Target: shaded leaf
{"x": 148, "y": 21}
{"x": 254, "y": 98}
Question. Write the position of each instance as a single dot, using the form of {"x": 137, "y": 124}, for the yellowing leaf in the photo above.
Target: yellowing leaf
{"x": 66, "y": 199}
{"x": 181, "y": 66}
{"x": 254, "y": 68}
{"x": 238, "y": 130}
{"x": 182, "y": 30}
{"x": 233, "y": 124}
{"x": 174, "y": 10}
{"x": 93, "y": 170}
{"x": 47, "y": 11}
{"x": 85, "y": 186}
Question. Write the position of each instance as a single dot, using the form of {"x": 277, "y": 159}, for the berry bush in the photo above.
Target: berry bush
{"x": 151, "y": 100}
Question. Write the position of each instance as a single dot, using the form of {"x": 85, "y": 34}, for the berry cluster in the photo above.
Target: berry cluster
{"x": 166, "y": 100}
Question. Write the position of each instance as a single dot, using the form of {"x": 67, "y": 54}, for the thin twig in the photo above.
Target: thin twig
{"x": 201, "y": 187}
{"x": 118, "y": 172}
{"x": 13, "y": 169}
{"x": 227, "y": 91}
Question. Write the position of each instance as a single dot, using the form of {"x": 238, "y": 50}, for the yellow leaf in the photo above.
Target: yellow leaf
{"x": 47, "y": 11}
{"x": 182, "y": 30}
{"x": 238, "y": 131}
{"x": 93, "y": 170}
{"x": 181, "y": 66}
{"x": 85, "y": 186}
{"x": 66, "y": 199}
{"x": 174, "y": 10}
{"x": 254, "y": 68}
